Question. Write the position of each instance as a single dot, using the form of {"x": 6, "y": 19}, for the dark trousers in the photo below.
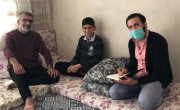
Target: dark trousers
{"x": 33, "y": 76}
{"x": 63, "y": 66}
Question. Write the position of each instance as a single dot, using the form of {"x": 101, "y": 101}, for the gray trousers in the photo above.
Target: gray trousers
{"x": 150, "y": 96}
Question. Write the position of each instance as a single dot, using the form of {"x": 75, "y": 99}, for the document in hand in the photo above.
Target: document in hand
{"x": 117, "y": 77}
{"x": 113, "y": 76}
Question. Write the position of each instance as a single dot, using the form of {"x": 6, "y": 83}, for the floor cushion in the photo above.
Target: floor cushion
{"x": 102, "y": 89}
{"x": 171, "y": 102}
{"x": 95, "y": 79}
{"x": 69, "y": 86}
{"x": 3, "y": 66}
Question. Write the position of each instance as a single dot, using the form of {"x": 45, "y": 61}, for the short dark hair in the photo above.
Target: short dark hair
{"x": 133, "y": 15}
{"x": 25, "y": 13}
{"x": 88, "y": 20}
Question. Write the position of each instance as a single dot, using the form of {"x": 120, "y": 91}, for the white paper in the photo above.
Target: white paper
{"x": 113, "y": 76}
{"x": 116, "y": 76}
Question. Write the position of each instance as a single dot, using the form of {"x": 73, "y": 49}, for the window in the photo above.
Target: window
{"x": 8, "y": 16}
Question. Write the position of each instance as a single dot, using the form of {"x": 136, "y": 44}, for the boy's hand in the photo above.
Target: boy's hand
{"x": 74, "y": 68}
{"x": 128, "y": 81}
{"x": 69, "y": 69}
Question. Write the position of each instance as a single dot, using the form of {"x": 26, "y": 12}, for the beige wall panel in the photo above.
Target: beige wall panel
{"x": 163, "y": 16}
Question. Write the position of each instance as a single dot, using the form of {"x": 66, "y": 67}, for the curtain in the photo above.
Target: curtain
{"x": 10, "y": 8}
{"x": 8, "y": 20}
{"x": 41, "y": 11}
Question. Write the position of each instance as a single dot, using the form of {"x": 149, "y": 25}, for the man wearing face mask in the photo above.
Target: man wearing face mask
{"x": 149, "y": 54}
{"x": 22, "y": 47}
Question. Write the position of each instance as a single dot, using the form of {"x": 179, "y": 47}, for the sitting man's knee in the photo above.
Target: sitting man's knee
{"x": 115, "y": 93}
{"x": 144, "y": 103}
{"x": 148, "y": 103}
{"x": 57, "y": 65}
{"x": 56, "y": 79}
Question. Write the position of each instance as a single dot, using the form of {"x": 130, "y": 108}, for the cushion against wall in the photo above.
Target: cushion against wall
{"x": 108, "y": 66}
{"x": 3, "y": 66}
{"x": 97, "y": 88}
{"x": 42, "y": 61}
{"x": 49, "y": 38}
{"x": 121, "y": 61}
{"x": 98, "y": 73}
{"x": 95, "y": 80}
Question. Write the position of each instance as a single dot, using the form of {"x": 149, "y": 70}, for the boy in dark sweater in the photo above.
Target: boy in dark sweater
{"x": 88, "y": 53}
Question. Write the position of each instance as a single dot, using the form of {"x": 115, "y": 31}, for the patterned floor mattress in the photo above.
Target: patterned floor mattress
{"x": 11, "y": 98}
{"x": 71, "y": 87}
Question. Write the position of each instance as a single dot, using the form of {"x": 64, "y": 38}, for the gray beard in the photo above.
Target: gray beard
{"x": 24, "y": 30}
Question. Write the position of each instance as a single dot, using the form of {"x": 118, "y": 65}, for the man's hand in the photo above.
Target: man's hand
{"x": 122, "y": 71}
{"x": 128, "y": 81}
{"x": 52, "y": 72}
{"x": 74, "y": 68}
{"x": 17, "y": 67}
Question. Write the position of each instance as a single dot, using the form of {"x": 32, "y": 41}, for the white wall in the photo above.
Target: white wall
{"x": 163, "y": 16}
